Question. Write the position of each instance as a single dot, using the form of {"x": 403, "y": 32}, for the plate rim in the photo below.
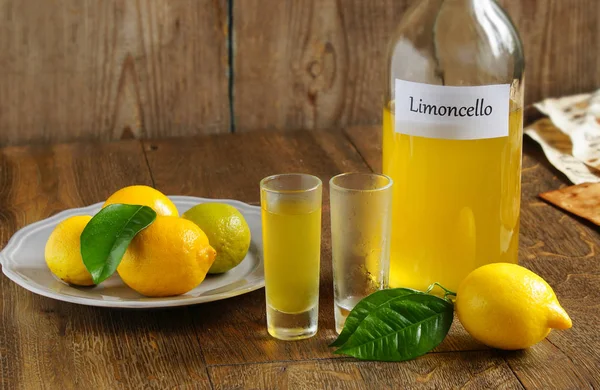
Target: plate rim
{"x": 16, "y": 240}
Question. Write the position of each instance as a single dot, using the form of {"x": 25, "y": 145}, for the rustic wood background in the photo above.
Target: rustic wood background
{"x": 105, "y": 70}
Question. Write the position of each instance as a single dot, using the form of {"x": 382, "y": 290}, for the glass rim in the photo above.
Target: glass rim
{"x": 264, "y": 181}
{"x": 388, "y": 185}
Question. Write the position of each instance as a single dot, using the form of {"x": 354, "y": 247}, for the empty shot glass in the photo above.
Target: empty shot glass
{"x": 361, "y": 207}
{"x": 291, "y": 225}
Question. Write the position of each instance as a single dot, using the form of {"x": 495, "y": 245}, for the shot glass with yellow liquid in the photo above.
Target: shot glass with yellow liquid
{"x": 291, "y": 225}
{"x": 361, "y": 208}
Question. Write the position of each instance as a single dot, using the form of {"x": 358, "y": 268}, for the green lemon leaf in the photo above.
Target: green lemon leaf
{"x": 401, "y": 329}
{"x": 106, "y": 237}
{"x": 366, "y": 306}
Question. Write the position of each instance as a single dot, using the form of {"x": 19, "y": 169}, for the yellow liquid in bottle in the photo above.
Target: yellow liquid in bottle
{"x": 292, "y": 250}
{"x": 455, "y": 203}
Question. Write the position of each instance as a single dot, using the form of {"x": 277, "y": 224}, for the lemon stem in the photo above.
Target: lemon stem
{"x": 447, "y": 293}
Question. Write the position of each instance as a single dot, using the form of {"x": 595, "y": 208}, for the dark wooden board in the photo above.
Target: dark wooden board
{"x": 564, "y": 250}
{"x": 52, "y": 344}
{"x": 468, "y": 370}
{"x": 231, "y": 166}
{"x": 225, "y": 344}
{"x": 39, "y": 181}
{"x": 104, "y": 70}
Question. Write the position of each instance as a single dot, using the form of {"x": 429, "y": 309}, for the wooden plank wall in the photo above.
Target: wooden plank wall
{"x": 112, "y": 69}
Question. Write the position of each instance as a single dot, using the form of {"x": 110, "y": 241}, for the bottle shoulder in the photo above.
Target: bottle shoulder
{"x": 456, "y": 42}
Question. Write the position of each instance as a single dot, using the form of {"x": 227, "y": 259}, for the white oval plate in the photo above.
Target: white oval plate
{"x": 23, "y": 262}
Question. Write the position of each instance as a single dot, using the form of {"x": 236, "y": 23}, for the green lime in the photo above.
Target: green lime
{"x": 227, "y": 232}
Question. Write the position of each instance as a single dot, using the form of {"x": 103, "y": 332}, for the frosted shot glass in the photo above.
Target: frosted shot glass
{"x": 361, "y": 208}
{"x": 291, "y": 226}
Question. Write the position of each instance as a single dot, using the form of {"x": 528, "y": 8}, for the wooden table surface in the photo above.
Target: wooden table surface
{"x": 224, "y": 345}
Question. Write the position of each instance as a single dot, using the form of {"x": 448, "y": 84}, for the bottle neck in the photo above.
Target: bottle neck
{"x": 475, "y": 5}
{"x": 484, "y": 11}
{"x": 483, "y": 5}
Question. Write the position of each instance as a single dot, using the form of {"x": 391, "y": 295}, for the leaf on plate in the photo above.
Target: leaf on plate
{"x": 106, "y": 237}
{"x": 402, "y": 328}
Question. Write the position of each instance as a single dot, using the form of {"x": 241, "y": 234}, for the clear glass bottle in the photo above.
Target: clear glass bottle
{"x": 452, "y": 140}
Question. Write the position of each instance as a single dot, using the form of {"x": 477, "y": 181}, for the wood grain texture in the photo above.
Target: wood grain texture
{"x": 468, "y": 370}
{"x": 314, "y": 64}
{"x": 321, "y": 64}
{"x": 560, "y": 40}
{"x": 88, "y": 70}
{"x": 565, "y": 251}
{"x": 368, "y": 141}
{"x": 39, "y": 181}
{"x": 231, "y": 166}
{"x": 50, "y": 344}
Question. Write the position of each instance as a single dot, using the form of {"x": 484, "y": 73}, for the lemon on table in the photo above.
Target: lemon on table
{"x": 169, "y": 257}
{"x": 227, "y": 232}
{"x": 507, "y": 306}
{"x": 63, "y": 251}
{"x": 144, "y": 196}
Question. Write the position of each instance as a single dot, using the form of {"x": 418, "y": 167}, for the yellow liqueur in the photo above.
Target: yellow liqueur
{"x": 452, "y": 141}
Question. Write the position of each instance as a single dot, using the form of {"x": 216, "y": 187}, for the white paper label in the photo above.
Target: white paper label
{"x": 438, "y": 111}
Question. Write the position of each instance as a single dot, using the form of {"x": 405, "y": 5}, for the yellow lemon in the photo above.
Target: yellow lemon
{"x": 227, "y": 232}
{"x": 144, "y": 196}
{"x": 507, "y": 306}
{"x": 169, "y": 257}
{"x": 63, "y": 252}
